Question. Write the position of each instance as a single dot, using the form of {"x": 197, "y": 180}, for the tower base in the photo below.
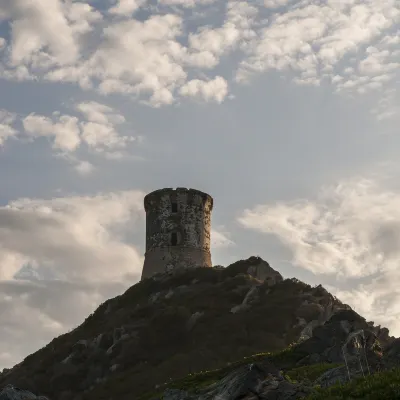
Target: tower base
{"x": 163, "y": 259}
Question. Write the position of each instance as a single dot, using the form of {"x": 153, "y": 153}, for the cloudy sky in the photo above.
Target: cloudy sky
{"x": 286, "y": 111}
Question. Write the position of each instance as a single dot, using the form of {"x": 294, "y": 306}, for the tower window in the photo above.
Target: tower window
{"x": 174, "y": 239}
{"x": 174, "y": 207}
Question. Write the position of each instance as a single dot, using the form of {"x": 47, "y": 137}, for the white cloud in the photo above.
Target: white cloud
{"x": 80, "y": 249}
{"x": 38, "y": 25}
{"x": 6, "y": 129}
{"x": 100, "y": 113}
{"x": 64, "y": 132}
{"x": 377, "y": 62}
{"x": 215, "y": 89}
{"x": 350, "y": 232}
{"x": 68, "y": 133}
{"x": 99, "y": 132}
{"x": 149, "y": 61}
{"x": 48, "y": 308}
{"x": 185, "y": 3}
{"x": 215, "y": 41}
{"x": 134, "y": 57}
{"x": 75, "y": 238}
{"x": 276, "y": 3}
{"x": 388, "y": 106}
{"x": 84, "y": 167}
{"x": 142, "y": 58}
{"x": 209, "y": 44}
{"x": 311, "y": 40}
{"x": 126, "y": 7}
{"x": 99, "y": 136}
{"x": 220, "y": 239}
{"x": 81, "y": 16}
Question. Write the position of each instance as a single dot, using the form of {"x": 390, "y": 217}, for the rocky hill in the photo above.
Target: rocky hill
{"x": 175, "y": 324}
{"x": 344, "y": 359}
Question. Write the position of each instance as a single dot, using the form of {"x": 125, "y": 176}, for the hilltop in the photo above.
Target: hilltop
{"x": 186, "y": 321}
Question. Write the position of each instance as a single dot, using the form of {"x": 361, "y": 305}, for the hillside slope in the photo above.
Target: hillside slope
{"x": 173, "y": 324}
{"x": 343, "y": 359}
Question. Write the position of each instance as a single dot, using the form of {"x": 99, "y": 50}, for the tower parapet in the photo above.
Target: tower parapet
{"x": 178, "y": 223}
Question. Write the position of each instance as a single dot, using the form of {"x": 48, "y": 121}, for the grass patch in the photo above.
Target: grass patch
{"x": 309, "y": 372}
{"x": 380, "y": 386}
{"x": 202, "y": 379}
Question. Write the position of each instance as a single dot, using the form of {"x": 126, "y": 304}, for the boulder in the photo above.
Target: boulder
{"x": 251, "y": 297}
{"x": 342, "y": 336}
{"x": 11, "y": 392}
{"x": 333, "y": 376}
{"x": 253, "y": 381}
{"x": 263, "y": 272}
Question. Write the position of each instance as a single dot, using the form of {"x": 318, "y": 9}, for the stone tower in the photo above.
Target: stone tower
{"x": 178, "y": 223}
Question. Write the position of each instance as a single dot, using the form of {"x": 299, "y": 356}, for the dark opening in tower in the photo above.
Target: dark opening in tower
{"x": 174, "y": 207}
{"x": 174, "y": 239}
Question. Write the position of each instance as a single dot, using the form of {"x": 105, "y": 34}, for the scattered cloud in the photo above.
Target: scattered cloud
{"x": 64, "y": 131}
{"x": 353, "y": 45}
{"x": 75, "y": 238}
{"x": 215, "y": 89}
{"x": 377, "y": 300}
{"x": 36, "y": 26}
{"x": 209, "y": 44}
{"x": 134, "y": 57}
{"x": 349, "y": 230}
{"x": 84, "y": 167}
{"x": 388, "y": 106}
{"x": 80, "y": 254}
{"x": 99, "y": 132}
{"x": 100, "y": 113}
{"x": 7, "y": 130}
{"x": 276, "y": 3}
{"x": 126, "y": 7}
{"x": 320, "y": 41}
{"x": 185, "y": 3}
{"x": 49, "y": 308}
{"x": 220, "y": 239}
{"x": 67, "y": 133}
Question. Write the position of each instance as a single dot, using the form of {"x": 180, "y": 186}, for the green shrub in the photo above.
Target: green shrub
{"x": 380, "y": 386}
{"x": 309, "y": 372}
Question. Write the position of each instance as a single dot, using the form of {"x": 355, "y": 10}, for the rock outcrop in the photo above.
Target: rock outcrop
{"x": 11, "y": 392}
{"x": 251, "y": 382}
{"x": 336, "y": 343}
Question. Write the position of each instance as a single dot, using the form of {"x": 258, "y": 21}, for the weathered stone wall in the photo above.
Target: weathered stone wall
{"x": 180, "y": 237}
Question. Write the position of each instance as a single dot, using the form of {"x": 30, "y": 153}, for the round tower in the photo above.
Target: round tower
{"x": 178, "y": 223}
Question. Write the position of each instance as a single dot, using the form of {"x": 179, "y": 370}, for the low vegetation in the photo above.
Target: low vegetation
{"x": 202, "y": 379}
{"x": 309, "y": 372}
{"x": 380, "y": 386}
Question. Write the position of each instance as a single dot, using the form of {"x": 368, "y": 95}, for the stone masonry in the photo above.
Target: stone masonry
{"x": 178, "y": 223}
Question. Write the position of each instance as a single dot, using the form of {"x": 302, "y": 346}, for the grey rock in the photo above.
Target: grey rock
{"x": 11, "y": 392}
{"x": 154, "y": 297}
{"x": 254, "y": 381}
{"x": 263, "y": 272}
{"x": 193, "y": 319}
{"x": 333, "y": 376}
{"x": 176, "y": 394}
{"x": 307, "y": 331}
{"x": 251, "y": 296}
